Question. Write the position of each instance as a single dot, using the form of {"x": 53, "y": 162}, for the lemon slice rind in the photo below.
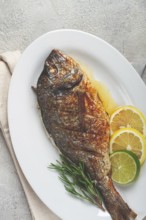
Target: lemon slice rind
{"x": 133, "y": 109}
{"x": 135, "y": 133}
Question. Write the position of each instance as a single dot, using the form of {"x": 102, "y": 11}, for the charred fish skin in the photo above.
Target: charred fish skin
{"x": 74, "y": 116}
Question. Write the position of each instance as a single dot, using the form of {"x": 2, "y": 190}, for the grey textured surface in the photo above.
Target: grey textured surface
{"x": 121, "y": 23}
{"x": 13, "y": 205}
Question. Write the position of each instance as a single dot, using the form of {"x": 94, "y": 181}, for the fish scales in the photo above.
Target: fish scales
{"x": 75, "y": 118}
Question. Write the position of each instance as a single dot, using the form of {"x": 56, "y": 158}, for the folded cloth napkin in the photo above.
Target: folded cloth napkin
{"x": 7, "y": 63}
{"x": 38, "y": 210}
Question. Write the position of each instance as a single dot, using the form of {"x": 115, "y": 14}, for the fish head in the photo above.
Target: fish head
{"x": 62, "y": 71}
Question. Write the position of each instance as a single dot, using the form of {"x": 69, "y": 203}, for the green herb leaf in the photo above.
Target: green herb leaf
{"x": 76, "y": 181}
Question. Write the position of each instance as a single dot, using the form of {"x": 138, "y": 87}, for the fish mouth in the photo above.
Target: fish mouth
{"x": 63, "y": 72}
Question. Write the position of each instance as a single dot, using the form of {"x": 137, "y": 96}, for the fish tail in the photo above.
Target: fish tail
{"x": 118, "y": 209}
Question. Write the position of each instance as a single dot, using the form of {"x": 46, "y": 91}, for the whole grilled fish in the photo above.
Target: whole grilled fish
{"x": 74, "y": 117}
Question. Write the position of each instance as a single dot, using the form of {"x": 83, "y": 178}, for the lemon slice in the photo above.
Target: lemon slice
{"x": 128, "y": 116}
{"x": 129, "y": 139}
{"x": 125, "y": 166}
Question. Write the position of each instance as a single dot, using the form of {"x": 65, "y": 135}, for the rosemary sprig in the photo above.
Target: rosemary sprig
{"x": 77, "y": 181}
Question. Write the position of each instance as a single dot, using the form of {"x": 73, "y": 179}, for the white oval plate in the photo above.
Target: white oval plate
{"x": 31, "y": 145}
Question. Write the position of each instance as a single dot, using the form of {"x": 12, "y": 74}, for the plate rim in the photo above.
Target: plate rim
{"x": 13, "y": 78}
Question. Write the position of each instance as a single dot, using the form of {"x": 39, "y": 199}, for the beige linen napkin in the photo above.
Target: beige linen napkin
{"x": 38, "y": 210}
{"x": 7, "y": 63}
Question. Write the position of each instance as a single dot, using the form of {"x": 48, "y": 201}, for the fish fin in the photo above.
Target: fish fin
{"x": 34, "y": 89}
{"x": 114, "y": 203}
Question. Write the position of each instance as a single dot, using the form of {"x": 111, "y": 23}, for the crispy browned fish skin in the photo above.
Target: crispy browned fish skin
{"x": 76, "y": 120}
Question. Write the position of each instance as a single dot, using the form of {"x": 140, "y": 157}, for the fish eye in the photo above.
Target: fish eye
{"x": 51, "y": 70}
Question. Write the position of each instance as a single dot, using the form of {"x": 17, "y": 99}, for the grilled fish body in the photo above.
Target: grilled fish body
{"x": 74, "y": 116}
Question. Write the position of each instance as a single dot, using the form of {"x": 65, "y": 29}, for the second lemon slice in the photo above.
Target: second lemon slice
{"x": 129, "y": 139}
